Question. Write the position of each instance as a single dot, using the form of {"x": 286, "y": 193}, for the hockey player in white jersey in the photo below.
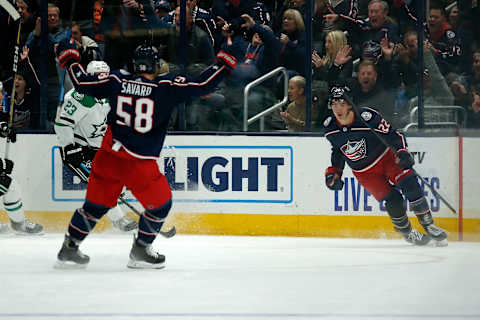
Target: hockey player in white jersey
{"x": 11, "y": 195}
{"x": 80, "y": 127}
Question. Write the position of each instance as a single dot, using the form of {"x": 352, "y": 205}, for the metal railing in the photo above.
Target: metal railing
{"x": 269, "y": 110}
{"x": 439, "y": 117}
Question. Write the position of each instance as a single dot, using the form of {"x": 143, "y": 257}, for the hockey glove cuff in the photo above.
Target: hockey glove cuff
{"x": 72, "y": 154}
{"x": 405, "y": 159}
{"x": 333, "y": 178}
{"x": 67, "y": 53}
{"x": 226, "y": 59}
{"x": 6, "y": 166}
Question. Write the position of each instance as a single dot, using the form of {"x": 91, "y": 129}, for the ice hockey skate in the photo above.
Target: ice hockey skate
{"x": 437, "y": 234}
{"x": 27, "y": 228}
{"x": 416, "y": 238}
{"x": 142, "y": 256}
{"x": 70, "y": 257}
{"x": 3, "y": 228}
{"x": 125, "y": 224}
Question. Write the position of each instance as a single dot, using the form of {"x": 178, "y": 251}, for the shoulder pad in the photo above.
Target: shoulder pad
{"x": 366, "y": 115}
{"x": 327, "y": 121}
{"x": 124, "y": 72}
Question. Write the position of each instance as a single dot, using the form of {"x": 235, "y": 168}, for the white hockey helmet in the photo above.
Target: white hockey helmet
{"x": 95, "y": 67}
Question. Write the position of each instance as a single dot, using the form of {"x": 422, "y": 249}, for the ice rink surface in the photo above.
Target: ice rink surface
{"x": 232, "y": 278}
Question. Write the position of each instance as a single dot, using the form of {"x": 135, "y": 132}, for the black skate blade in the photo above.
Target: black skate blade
{"x": 28, "y": 234}
{"x": 134, "y": 264}
{"x": 69, "y": 265}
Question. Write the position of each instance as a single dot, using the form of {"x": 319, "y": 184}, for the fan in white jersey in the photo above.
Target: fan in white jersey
{"x": 80, "y": 127}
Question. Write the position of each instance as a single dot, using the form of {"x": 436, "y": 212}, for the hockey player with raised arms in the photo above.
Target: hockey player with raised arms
{"x": 379, "y": 169}
{"x": 80, "y": 127}
{"x": 141, "y": 106}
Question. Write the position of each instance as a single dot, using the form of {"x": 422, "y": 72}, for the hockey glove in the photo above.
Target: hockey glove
{"x": 6, "y": 132}
{"x": 72, "y": 154}
{"x": 226, "y": 59}
{"x": 404, "y": 159}
{"x": 67, "y": 53}
{"x": 333, "y": 178}
{"x": 5, "y": 182}
{"x": 6, "y": 166}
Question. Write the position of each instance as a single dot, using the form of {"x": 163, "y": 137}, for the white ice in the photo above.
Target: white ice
{"x": 223, "y": 277}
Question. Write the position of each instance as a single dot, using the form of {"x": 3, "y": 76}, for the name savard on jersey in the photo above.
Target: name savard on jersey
{"x": 137, "y": 89}
{"x": 357, "y": 144}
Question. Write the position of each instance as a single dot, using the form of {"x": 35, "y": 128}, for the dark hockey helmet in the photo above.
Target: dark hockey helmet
{"x": 145, "y": 59}
{"x": 339, "y": 92}
{"x": 371, "y": 51}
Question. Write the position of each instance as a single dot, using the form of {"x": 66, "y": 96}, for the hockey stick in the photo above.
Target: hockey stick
{"x": 10, "y": 9}
{"x": 12, "y": 96}
{"x": 388, "y": 145}
{"x": 84, "y": 176}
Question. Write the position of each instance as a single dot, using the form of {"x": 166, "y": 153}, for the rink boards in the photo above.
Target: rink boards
{"x": 262, "y": 185}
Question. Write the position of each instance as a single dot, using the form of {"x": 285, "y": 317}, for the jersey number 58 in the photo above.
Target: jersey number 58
{"x": 140, "y": 117}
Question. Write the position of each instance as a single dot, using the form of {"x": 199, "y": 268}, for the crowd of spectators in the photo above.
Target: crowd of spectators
{"x": 369, "y": 45}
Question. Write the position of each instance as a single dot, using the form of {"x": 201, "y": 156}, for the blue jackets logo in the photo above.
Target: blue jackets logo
{"x": 207, "y": 173}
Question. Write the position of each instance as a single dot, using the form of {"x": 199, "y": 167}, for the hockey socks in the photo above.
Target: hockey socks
{"x": 84, "y": 220}
{"x": 151, "y": 221}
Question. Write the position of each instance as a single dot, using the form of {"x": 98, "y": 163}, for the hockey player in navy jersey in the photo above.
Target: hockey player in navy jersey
{"x": 380, "y": 170}
{"x": 80, "y": 126}
{"x": 141, "y": 106}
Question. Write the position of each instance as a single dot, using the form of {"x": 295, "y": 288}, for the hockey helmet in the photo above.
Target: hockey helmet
{"x": 339, "y": 92}
{"x": 371, "y": 51}
{"x": 95, "y": 67}
{"x": 145, "y": 59}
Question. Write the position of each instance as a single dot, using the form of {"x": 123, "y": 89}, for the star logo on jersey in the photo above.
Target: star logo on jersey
{"x": 355, "y": 150}
{"x": 99, "y": 129}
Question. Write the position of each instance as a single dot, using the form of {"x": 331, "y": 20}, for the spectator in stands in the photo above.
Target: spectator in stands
{"x": 446, "y": 43}
{"x": 99, "y": 36}
{"x": 461, "y": 26}
{"x": 295, "y": 115}
{"x": 473, "y": 111}
{"x": 250, "y": 65}
{"x": 407, "y": 60}
{"x": 369, "y": 92}
{"x": 27, "y": 100}
{"x": 473, "y": 76}
{"x": 55, "y": 34}
{"x": 28, "y": 19}
{"x": 288, "y": 49}
{"x": 86, "y": 46}
{"x": 378, "y": 25}
{"x": 337, "y": 62}
{"x": 162, "y": 8}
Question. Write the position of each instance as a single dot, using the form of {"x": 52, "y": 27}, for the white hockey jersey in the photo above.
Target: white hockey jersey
{"x": 82, "y": 120}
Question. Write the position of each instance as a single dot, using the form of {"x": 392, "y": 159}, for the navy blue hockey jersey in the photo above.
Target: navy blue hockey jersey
{"x": 356, "y": 144}
{"x": 141, "y": 108}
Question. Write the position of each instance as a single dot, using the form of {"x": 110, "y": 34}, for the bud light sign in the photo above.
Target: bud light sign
{"x": 261, "y": 174}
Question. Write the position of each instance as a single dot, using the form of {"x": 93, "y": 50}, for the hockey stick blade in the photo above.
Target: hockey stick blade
{"x": 10, "y": 9}
{"x": 167, "y": 234}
